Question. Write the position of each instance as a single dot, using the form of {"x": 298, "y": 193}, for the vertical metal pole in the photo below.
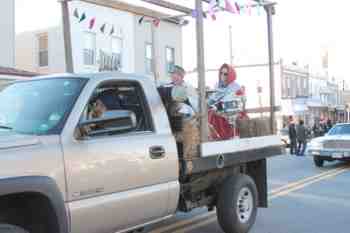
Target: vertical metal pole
{"x": 67, "y": 36}
{"x": 201, "y": 73}
{"x": 154, "y": 53}
{"x": 230, "y": 45}
{"x": 269, "y": 9}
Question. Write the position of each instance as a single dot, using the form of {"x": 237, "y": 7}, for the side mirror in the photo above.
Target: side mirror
{"x": 112, "y": 122}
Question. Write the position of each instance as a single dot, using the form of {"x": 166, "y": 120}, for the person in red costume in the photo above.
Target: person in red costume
{"x": 220, "y": 127}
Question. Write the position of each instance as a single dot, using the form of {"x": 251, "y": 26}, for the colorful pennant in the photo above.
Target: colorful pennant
{"x": 92, "y": 23}
{"x": 112, "y": 31}
{"x": 229, "y": 7}
{"x": 238, "y": 8}
{"x": 211, "y": 10}
{"x": 76, "y": 13}
{"x": 82, "y": 18}
{"x": 103, "y": 27}
{"x": 221, "y": 3}
{"x": 141, "y": 19}
{"x": 156, "y": 22}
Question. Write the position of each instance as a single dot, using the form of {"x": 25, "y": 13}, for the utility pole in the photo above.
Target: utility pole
{"x": 67, "y": 36}
{"x": 269, "y": 10}
{"x": 201, "y": 73}
{"x": 230, "y": 45}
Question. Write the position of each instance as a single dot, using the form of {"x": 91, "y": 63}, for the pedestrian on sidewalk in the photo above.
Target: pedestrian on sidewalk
{"x": 316, "y": 129}
{"x": 302, "y": 138}
{"x": 292, "y": 136}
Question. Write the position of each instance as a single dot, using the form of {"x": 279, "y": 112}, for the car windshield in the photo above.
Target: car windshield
{"x": 340, "y": 130}
{"x": 38, "y": 107}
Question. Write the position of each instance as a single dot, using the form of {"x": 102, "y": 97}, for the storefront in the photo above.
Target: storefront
{"x": 341, "y": 114}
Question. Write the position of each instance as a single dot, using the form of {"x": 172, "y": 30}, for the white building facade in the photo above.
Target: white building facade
{"x": 103, "y": 39}
{"x": 7, "y": 28}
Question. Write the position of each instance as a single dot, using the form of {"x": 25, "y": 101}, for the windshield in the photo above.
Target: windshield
{"x": 38, "y": 107}
{"x": 340, "y": 130}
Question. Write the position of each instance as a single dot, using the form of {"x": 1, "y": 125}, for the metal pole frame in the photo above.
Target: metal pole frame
{"x": 201, "y": 74}
{"x": 67, "y": 36}
{"x": 270, "y": 11}
{"x": 269, "y": 8}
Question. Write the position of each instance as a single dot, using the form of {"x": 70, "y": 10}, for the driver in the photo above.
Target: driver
{"x": 105, "y": 101}
{"x": 99, "y": 105}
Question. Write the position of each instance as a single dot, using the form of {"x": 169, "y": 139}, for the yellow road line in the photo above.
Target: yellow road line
{"x": 307, "y": 179}
{"x": 278, "y": 192}
{"x": 301, "y": 186}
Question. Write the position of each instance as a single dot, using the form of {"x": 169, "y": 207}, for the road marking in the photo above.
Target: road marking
{"x": 301, "y": 186}
{"x": 307, "y": 179}
{"x": 281, "y": 191}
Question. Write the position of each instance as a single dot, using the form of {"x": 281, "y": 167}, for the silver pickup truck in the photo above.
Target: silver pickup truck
{"x": 62, "y": 170}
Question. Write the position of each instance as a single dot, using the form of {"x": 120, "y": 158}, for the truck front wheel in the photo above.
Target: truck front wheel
{"x": 6, "y": 228}
{"x": 237, "y": 204}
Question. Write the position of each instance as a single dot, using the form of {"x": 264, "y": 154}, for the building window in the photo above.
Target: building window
{"x": 170, "y": 59}
{"x": 289, "y": 87}
{"x": 306, "y": 86}
{"x": 43, "y": 41}
{"x": 117, "y": 53}
{"x": 89, "y": 48}
{"x": 149, "y": 58}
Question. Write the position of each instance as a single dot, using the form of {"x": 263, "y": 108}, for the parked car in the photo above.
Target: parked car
{"x": 335, "y": 145}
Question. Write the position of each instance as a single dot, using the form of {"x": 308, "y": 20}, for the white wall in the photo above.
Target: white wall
{"x": 7, "y": 28}
{"x": 124, "y": 27}
{"x": 166, "y": 35}
{"x": 27, "y": 51}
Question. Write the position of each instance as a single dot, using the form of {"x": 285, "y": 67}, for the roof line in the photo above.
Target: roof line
{"x": 137, "y": 10}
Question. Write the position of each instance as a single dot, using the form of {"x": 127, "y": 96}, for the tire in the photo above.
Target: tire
{"x": 6, "y": 228}
{"x": 238, "y": 188}
{"x": 318, "y": 161}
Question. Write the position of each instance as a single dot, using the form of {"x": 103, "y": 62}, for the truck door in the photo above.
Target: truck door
{"x": 117, "y": 180}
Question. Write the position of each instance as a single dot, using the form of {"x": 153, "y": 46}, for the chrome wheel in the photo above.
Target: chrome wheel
{"x": 245, "y": 205}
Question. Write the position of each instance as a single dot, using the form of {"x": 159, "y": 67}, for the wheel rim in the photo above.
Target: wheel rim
{"x": 245, "y": 205}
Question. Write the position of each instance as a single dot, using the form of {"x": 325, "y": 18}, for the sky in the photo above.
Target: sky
{"x": 303, "y": 30}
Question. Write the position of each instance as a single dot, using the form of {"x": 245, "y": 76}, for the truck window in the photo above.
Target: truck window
{"x": 38, "y": 107}
{"x": 119, "y": 96}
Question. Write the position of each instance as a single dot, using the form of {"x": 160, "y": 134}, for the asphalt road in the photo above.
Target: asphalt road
{"x": 303, "y": 199}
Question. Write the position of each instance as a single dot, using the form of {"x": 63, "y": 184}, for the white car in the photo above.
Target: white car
{"x": 335, "y": 145}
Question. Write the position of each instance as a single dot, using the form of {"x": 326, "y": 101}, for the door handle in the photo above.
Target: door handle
{"x": 157, "y": 152}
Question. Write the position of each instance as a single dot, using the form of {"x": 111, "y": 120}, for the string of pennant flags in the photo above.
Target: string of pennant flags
{"x": 238, "y": 7}
{"x": 92, "y": 22}
{"x": 83, "y": 17}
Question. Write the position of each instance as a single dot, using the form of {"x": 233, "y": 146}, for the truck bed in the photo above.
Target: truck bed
{"x": 221, "y": 154}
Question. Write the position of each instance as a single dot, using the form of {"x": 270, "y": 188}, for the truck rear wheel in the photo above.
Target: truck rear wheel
{"x": 6, "y": 228}
{"x": 237, "y": 204}
{"x": 318, "y": 161}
